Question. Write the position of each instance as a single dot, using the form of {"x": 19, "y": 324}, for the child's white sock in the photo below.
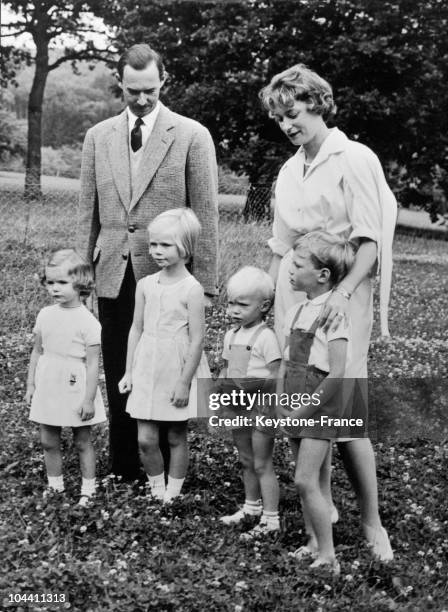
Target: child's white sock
{"x": 157, "y": 485}
{"x": 253, "y": 508}
{"x": 270, "y": 519}
{"x": 56, "y": 483}
{"x": 88, "y": 487}
{"x": 173, "y": 488}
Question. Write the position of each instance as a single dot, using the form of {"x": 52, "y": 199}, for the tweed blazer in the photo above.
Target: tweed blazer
{"x": 178, "y": 168}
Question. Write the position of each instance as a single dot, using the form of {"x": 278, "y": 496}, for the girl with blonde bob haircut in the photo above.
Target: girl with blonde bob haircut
{"x": 165, "y": 354}
{"x": 184, "y": 229}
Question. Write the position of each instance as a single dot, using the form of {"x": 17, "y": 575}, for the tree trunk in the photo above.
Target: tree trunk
{"x": 258, "y": 202}
{"x": 35, "y": 101}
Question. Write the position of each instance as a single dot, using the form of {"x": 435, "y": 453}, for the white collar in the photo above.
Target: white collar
{"x": 320, "y": 299}
{"x": 147, "y": 119}
{"x": 335, "y": 142}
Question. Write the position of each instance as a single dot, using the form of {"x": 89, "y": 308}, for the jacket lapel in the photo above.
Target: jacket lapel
{"x": 118, "y": 150}
{"x": 155, "y": 150}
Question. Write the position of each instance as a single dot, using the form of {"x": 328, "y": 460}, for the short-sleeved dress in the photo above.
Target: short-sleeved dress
{"x": 343, "y": 192}
{"x": 60, "y": 377}
{"x": 161, "y": 353}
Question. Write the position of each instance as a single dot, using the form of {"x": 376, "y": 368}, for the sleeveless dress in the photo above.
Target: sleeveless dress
{"x": 60, "y": 377}
{"x": 161, "y": 353}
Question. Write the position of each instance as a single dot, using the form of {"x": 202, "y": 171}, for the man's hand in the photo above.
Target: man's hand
{"x": 87, "y": 410}
{"x": 125, "y": 384}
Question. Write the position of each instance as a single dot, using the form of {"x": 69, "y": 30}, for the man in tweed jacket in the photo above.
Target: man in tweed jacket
{"x": 134, "y": 166}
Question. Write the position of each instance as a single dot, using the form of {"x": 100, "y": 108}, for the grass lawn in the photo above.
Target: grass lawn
{"x": 126, "y": 553}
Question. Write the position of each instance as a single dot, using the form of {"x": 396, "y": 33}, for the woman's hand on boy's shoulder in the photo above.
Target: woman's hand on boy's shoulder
{"x": 335, "y": 312}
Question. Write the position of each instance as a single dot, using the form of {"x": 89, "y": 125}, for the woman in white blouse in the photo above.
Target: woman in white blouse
{"x": 336, "y": 185}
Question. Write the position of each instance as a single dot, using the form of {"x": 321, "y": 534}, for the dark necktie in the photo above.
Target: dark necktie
{"x": 136, "y": 135}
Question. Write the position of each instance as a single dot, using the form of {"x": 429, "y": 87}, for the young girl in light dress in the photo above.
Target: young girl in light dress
{"x": 62, "y": 384}
{"x": 165, "y": 356}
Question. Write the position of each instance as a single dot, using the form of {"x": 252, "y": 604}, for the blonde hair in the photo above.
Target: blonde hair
{"x": 82, "y": 272}
{"x": 252, "y": 281}
{"x": 299, "y": 83}
{"x": 185, "y": 228}
{"x": 328, "y": 251}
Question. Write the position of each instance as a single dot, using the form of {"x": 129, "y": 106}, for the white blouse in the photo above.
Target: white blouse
{"x": 343, "y": 192}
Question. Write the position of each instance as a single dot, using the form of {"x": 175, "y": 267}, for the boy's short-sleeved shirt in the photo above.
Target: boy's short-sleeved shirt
{"x": 264, "y": 350}
{"x": 319, "y": 349}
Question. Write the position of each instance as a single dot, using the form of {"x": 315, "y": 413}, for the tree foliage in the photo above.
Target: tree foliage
{"x": 386, "y": 60}
{"x": 46, "y": 21}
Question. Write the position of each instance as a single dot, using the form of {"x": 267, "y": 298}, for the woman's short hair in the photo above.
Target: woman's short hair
{"x": 138, "y": 57}
{"x": 184, "y": 227}
{"x": 251, "y": 281}
{"x": 299, "y": 83}
{"x": 328, "y": 251}
{"x": 77, "y": 268}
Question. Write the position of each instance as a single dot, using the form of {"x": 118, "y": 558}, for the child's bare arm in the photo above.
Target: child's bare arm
{"x": 280, "y": 387}
{"x": 196, "y": 331}
{"x": 273, "y": 367}
{"x": 281, "y": 377}
{"x": 125, "y": 384}
{"x": 87, "y": 408}
{"x": 35, "y": 354}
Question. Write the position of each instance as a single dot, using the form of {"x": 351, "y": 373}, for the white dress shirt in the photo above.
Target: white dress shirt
{"x": 146, "y": 128}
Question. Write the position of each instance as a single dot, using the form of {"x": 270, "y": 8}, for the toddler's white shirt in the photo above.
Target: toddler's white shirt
{"x": 264, "y": 350}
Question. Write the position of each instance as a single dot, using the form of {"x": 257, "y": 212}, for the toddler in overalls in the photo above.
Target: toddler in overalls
{"x": 314, "y": 366}
{"x": 252, "y": 358}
